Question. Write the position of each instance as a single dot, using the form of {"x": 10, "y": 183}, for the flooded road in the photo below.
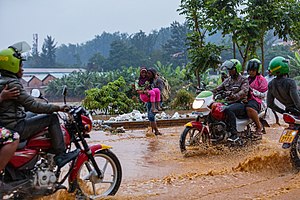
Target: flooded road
{"x": 154, "y": 168}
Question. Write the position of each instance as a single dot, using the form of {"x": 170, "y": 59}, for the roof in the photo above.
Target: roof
{"x": 50, "y": 70}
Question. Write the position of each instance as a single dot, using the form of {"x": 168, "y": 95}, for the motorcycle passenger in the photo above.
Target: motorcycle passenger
{"x": 236, "y": 88}
{"x": 12, "y": 112}
{"x": 258, "y": 87}
{"x": 282, "y": 88}
{"x": 9, "y": 140}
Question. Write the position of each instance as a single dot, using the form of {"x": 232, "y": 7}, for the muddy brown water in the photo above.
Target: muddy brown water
{"x": 154, "y": 168}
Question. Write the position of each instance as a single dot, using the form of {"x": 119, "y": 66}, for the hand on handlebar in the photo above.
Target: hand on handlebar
{"x": 65, "y": 108}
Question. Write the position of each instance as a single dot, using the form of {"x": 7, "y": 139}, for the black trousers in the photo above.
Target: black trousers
{"x": 32, "y": 124}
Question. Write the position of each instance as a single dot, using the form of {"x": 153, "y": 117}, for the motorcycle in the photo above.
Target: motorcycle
{"x": 290, "y": 137}
{"x": 32, "y": 172}
{"x": 210, "y": 128}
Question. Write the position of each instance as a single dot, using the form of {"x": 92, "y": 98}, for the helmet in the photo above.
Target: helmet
{"x": 230, "y": 64}
{"x": 279, "y": 66}
{"x": 11, "y": 58}
{"x": 254, "y": 64}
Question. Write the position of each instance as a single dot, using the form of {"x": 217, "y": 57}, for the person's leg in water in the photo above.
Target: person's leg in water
{"x": 151, "y": 117}
{"x": 231, "y": 111}
{"x": 153, "y": 101}
{"x": 157, "y": 98}
{"x": 34, "y": 124}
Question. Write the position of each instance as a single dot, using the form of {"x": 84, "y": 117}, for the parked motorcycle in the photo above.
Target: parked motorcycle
{"x": 210, "y": 128}
{"x": 96, "y": 172}
{"x": 290, "y": 138}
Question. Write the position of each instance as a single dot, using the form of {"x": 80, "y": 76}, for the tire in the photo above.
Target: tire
{"x": 295, "y": 152}
{"x": 190, "y": 138}
{"x": 110, "y": 166}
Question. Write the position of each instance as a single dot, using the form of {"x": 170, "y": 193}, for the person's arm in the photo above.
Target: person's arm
{"x": 138, "y": 88}
{"x": 30, "y": 104}
{"x": 294, "y": 94}
{"x": 242, "y": 93}
{"x": 270, "y": 101}
{"x": 220, "y": 87}
{"x": 7, "y": 94}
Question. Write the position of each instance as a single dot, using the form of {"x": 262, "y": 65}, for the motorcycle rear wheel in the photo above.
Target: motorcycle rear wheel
{"x": 92, "y": 187}
{"x": 191, "y": 138}
{"x": 295, "y": 152}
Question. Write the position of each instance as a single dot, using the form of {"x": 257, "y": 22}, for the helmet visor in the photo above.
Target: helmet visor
{"x": 229, "y": 65}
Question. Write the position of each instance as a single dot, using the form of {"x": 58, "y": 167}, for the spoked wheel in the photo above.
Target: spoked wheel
{"x": 191, "y": 138}
{"x": 90, "y": 185}
{"x": 295, "y": 152}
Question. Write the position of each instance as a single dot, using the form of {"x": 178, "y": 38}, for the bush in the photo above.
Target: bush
{"x": 183, "y": 100}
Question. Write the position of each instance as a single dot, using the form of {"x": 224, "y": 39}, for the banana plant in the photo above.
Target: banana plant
{"x": 295, "y": 65}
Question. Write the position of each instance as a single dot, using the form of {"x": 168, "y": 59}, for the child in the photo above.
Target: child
{"x": 147, "y": 94}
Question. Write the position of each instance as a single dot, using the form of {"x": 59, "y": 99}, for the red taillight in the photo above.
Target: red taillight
{"x": 288, "y": 119}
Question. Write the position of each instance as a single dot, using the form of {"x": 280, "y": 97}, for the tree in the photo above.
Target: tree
{"x": 48, "y": 52}
{"x": 97, "y": 63}
{"x": 176, "y": 47}
{"x": 202, "y": 55}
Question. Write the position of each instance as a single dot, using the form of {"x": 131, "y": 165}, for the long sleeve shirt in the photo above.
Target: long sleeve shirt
{"x": 239, "y": 87}
{"x": 285, "y": 91}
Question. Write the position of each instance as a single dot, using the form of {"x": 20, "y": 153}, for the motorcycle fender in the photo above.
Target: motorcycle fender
{"x": 194, "y": 124}
{"x": 82, "y": 157}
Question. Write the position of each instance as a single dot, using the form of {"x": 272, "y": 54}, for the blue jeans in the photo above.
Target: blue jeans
{"x": 33, "y": 124}
{"x": 151, "y": 115}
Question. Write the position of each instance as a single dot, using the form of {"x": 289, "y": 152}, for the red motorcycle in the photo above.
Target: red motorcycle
{"x": 96, "y": 172}
{"x": 210, "y": 127}
{"x": 290, "y": 137}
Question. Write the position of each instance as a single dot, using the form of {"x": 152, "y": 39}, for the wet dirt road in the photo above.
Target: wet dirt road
{"x": 154, "y": 168}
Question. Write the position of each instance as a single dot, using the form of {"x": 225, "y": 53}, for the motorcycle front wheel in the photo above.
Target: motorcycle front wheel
{"x": 295, "y": 152}
{"x": 191, "y": 138}
{"x": 90, "y": 185}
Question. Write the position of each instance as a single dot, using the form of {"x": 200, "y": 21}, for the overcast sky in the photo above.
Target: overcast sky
{"x": 77, "y": 21}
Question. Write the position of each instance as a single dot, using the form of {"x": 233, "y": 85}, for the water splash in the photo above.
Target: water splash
{"x": 275, "y": 161}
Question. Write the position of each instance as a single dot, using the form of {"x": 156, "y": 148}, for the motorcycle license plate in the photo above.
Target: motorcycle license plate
{"x": 288, "y": 136}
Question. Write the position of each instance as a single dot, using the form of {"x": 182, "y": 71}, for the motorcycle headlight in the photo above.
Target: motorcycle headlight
{"x": 198, "y": 103}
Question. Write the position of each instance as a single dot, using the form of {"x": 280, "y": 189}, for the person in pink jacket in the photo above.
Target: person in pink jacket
{"x": 258, "y": 88}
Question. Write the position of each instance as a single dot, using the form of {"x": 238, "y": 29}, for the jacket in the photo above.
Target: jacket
{"x": 258, "y": 88}
{"x": 237, "y": 88}
{"x": 13, "y": 111}
{"x": 285, "y": 91}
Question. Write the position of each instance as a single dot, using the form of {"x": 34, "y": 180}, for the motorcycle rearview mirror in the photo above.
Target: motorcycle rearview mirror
{"x": 65, "y": 93}
{"x": 35, "y": 93}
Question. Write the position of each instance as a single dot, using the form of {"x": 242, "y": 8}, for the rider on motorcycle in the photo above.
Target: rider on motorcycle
{"x": 282, "y": 88}
{"x": 236, "y": 88}
{"x": 258, "y": 87}
{"x": 12, "y": 112}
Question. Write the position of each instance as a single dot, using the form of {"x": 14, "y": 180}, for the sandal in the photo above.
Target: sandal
{"x": 158, "y": 133}
{"x": 257, "y": 135}
{"x": 155, "y": 111}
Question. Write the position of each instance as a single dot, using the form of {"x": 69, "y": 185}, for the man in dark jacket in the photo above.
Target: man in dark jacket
{"x": 12, "y": 112}
{"x": 282, "y": 88}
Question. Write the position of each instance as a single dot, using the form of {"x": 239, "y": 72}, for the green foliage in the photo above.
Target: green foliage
{"x": 47, "y": 57}
{"x": 110, "y": 97}
{"x": 295, "y": 65}
{"x": 202, "y": 55}
{"x": 183, "y": 100}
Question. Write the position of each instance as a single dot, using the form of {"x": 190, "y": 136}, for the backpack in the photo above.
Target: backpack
{"x": 166, "y": 91}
